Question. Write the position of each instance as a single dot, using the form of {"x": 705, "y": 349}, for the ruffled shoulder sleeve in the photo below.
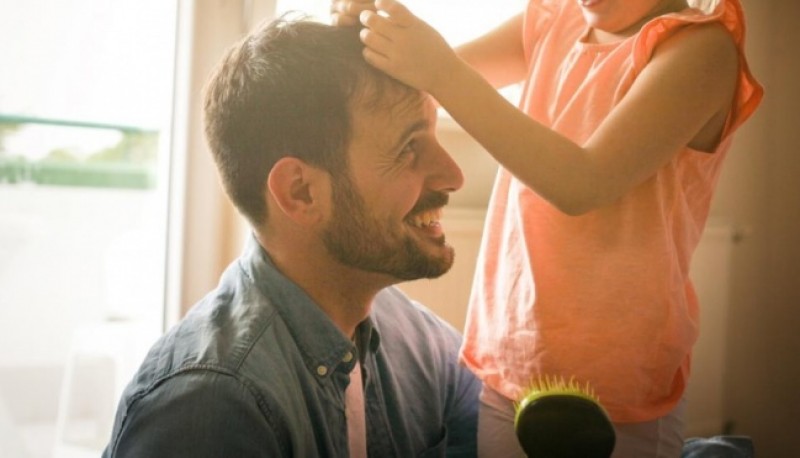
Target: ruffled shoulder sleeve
{"x": 538, "y": 18}
{"x": 730, "y": 14}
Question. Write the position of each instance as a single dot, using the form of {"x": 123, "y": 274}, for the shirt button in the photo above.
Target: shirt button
{"x": 322, "y": 370}
{"x": 348, "y": 357}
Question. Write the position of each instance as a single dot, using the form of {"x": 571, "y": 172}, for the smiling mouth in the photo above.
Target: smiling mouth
{"x": 425, "y": 219}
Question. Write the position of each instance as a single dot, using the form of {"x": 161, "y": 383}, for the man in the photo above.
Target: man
{"x": 305, "y": 349}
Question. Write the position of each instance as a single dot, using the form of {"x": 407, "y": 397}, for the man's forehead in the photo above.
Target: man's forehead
{"x": 392, "y": 100}
{"x": 385, "y": 125}
{"x": 394, "y": 109}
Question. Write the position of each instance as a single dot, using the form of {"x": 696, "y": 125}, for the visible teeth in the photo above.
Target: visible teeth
{"x": 427, "y": 218}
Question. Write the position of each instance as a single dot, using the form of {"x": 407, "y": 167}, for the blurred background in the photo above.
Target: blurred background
{"x": 113, "y": 223}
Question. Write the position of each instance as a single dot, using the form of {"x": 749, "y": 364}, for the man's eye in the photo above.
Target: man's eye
{"x": 409, "y": 148}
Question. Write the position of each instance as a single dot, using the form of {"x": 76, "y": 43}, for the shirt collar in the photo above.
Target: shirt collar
{"x": 324, "y": 347}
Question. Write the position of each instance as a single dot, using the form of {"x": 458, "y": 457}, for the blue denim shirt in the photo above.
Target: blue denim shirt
{"x": 256, "y": 369}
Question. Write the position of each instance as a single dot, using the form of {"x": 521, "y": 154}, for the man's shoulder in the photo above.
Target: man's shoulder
{"x": 395, "y": 314}
{"x": 216, "y": 336}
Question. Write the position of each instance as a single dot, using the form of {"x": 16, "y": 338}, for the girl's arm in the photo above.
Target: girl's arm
{"x": 688, "y": 83}
{"x": 498, "y": 55}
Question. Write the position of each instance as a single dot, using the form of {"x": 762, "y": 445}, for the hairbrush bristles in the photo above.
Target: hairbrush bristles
{"x": 556, "y": 385}
{"x": 564, "y": 419}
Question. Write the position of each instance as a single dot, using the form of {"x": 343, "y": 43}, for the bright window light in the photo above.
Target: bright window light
{"x": 458, "y": 21}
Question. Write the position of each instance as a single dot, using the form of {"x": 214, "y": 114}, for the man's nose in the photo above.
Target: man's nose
{"x": 444, "y": 173}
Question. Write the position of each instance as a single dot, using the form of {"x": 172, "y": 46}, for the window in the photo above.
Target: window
{"x": 85, "y": 101}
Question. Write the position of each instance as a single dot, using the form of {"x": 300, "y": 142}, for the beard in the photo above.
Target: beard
{"x": 357, "y": 240}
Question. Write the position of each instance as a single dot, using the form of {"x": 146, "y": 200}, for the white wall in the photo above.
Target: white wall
{"x": 760, "y": 188}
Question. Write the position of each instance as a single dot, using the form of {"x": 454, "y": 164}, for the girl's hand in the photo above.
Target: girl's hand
{"x": 405, "y": 47}
{"x": 345, "y": 12}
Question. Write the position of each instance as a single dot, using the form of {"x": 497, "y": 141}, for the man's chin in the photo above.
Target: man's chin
{"x": 435, "y": 265}
{"x": 446, "y": 260}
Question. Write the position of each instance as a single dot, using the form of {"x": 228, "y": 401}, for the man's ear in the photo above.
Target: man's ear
{"x": 299, "y": 190}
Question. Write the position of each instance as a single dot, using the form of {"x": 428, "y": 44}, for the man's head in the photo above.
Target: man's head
{"x": 296, "y": 99}
{"x": 284, "y": 90}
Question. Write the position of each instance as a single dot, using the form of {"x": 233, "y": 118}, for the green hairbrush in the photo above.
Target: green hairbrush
{"x": 558, "y": 419}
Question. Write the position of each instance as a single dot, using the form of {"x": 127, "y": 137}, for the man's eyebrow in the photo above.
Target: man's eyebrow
{"x": 421, "y": 125}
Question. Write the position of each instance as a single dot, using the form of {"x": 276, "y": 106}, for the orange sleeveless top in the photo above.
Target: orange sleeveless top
{"x": 604, "y": 297}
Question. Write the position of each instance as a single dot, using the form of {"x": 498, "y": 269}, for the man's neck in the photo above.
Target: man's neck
{"x": 343, "y": 293}
{"x": 346, "y": 299}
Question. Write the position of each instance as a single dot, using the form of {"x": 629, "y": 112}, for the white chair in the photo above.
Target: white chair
{"x": 102, "y": 359}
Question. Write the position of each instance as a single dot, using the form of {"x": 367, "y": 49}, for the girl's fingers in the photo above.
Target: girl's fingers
{"x": 399, "y": 14}
{"x": 375, "y": 42}
{"x": 375, "y": 59}
{"x": 345, "y": 12}
{"x": 353, "y": 8}
{"x": 343, "y": 20}
{"x": 376, "y": 22}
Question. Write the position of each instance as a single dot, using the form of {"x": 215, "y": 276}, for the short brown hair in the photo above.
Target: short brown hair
{"x": 284, "y": 90}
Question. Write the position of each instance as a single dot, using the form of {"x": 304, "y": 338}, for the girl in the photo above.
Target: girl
{"x": 608, "y": 168}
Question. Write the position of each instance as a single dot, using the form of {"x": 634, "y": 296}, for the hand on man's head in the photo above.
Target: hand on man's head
{"x": 346, "y": 12}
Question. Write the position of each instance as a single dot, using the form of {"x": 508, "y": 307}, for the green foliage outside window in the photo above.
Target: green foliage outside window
{"x": 129, "y": 164}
